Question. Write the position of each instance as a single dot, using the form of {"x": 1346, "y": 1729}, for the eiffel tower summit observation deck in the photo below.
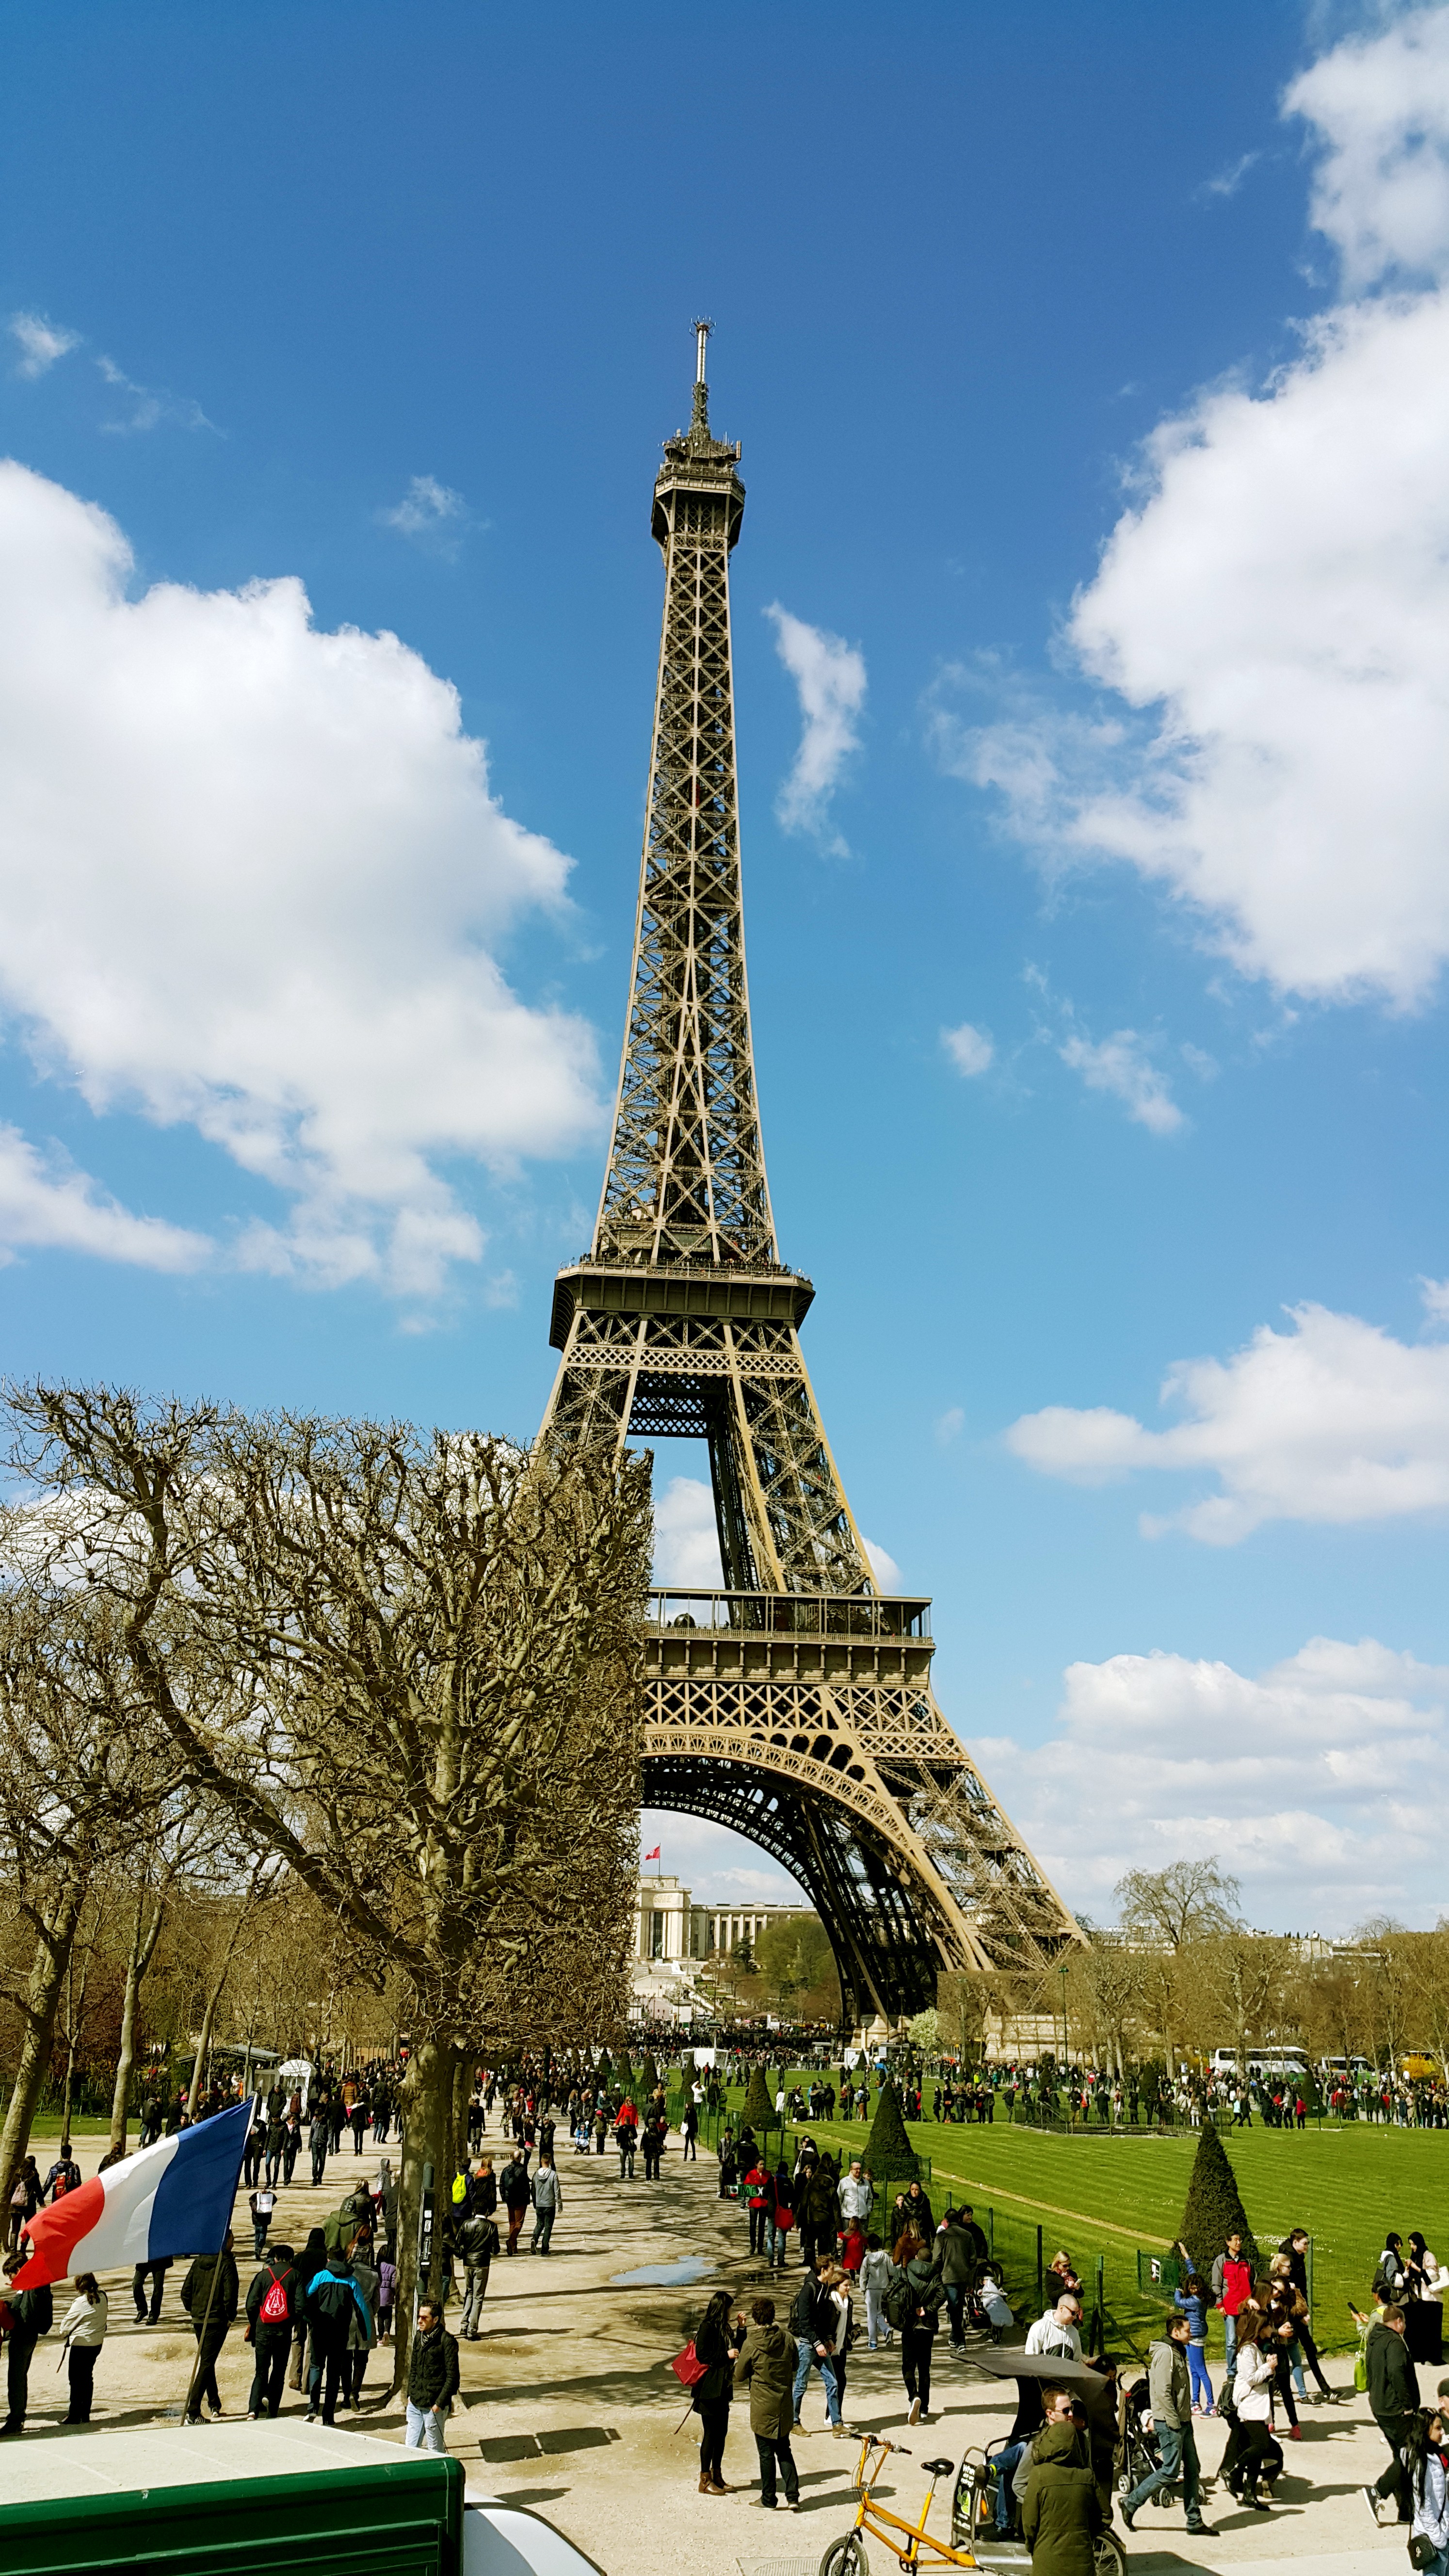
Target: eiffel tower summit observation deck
{"x": 795, "y": 1705}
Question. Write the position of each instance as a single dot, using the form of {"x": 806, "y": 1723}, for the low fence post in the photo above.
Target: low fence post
{"x": 1040, "y": 2282}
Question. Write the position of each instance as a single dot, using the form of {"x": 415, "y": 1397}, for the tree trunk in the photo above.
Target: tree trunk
{"x": 427, "y": 2094}
{"x": 458, "y": 2139}
{"x": 142, "y": 1952}
{"x": 54, "y": 1940}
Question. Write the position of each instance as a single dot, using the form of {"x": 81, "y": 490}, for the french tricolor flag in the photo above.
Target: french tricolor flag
{"x": 173, "y": 2198}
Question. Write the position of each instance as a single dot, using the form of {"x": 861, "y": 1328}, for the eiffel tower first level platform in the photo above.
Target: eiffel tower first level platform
{"x": 794, "y": 1704}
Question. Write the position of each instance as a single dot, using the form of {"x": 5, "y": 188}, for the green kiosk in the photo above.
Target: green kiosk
{"x": 229, "y": 2499}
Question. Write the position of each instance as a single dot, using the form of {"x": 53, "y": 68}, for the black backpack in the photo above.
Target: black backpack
{"x": 899, "y": 2301}
{"x": 814, "y": 2313}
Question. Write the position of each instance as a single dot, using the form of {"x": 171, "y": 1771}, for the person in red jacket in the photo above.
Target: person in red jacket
{"x": 1232, "y": 2290}
{"x": 757, "y": 2184}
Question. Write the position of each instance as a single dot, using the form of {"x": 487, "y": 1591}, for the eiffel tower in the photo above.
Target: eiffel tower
{"x": 795, "y": 1704}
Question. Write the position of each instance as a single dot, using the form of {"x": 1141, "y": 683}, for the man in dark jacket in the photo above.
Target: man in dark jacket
{"x": 1172, "y": 2415}
{"x": 332, "y": 2295}
{"x": 211, "y": 2310}
{"x": 272, "y": 2304}
{"x": 1393, "y": 2395}
{"x": 516, "y": 2192}
{"x": 957, "y": 2255}
{"x": 32, "y": 2315}
{"x": 813, "y": 2320}
{"x": 477, "y": 2241}
{"x": 432, "y": 2380}
{"x": 1061, "y": 2514}
{"x": 920, "y": 2312}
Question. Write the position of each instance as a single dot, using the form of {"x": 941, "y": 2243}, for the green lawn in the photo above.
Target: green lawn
{"x": 1108, "y": 2196}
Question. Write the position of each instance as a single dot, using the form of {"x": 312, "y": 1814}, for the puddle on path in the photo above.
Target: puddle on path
{"x": 664, "y": 2276}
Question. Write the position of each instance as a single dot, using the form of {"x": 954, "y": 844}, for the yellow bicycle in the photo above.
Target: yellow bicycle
{"x": 912, "y": 2545}
{"x": 909, "y": 2542}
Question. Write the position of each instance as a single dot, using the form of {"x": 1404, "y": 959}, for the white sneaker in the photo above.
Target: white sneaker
{"x": 915, "y": 2414}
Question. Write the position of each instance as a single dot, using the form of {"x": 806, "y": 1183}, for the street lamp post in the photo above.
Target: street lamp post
{"x": 1066, "y": 2045}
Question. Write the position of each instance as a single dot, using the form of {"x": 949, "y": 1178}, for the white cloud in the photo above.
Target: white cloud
{"x": 970, "y": 1050}
{"x": 252, "y": 879}
{"x": 686, "y": 1541}
{"x": 882, "y": 1565}
{"x": 59, "y": 1209}
{"x": 950, "y": 1424}
{"x": 686, "y": 1537}
{"x": 1121, "y": 1066}
{"x": 718, "y": 1867}
{"x": 1381, "y": 106}
{"x": 427, "y": 509}
{"x": 1226, "y": 183}
{"x": 1435, "y": 1293}
{"x": 829, "y": 675}
{"x": 1331, "y": 1421}
{"x": 41, "y": 342}
{"x": 1308, "y": 1780}
{"x": 146, "y": 407}
{"x": 1272, "y": 613}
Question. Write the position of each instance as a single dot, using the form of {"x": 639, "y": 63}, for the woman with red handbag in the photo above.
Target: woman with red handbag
{"x": 715, "y": 2347}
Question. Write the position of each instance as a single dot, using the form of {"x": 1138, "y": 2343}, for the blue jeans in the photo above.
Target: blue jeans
{"x": 955, "y": 2298}
{"x": 1197, "y": 2372}
{"x": 1230, "y": 2339}
{"x": 779, "y": 2240}
{"x": 1007, "y": 2464}
{"x": 810, "y": 2360}
{"x": 425, "y": 2430}
{"x": 1179, "y": 2451}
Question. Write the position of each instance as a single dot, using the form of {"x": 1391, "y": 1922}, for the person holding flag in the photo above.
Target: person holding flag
{"x": 173, "y": 2198}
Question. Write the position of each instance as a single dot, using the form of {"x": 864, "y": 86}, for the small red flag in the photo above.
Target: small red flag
{"x": 654, "y": 1855}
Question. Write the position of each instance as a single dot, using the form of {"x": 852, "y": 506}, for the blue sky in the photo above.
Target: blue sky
{"x": 1090, "y": 366}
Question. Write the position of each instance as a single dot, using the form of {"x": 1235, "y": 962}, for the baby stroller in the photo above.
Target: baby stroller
{"x": 1138, "y": 2450}
{"x": 986, "y": 2308}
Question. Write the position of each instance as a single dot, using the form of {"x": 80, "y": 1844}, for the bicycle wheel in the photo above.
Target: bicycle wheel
{"x": 846, "y": 2557}
{"x": 1109, "y": 2558}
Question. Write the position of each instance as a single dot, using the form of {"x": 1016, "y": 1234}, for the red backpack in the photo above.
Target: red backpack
{"x": 276, "y": 2307}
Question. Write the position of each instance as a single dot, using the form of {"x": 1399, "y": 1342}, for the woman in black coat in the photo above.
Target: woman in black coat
{"x": 716, "y": 2348}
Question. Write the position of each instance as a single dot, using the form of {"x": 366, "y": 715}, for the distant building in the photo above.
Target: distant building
{"x": 669, "y": 1927}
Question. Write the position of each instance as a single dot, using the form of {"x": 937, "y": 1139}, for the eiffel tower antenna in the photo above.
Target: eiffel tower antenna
{"x": 795, "y": 1704}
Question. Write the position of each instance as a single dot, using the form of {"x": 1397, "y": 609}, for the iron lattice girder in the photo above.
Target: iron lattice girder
{"x": 795, "y": 1706}
{"x": 828, "y": 1701}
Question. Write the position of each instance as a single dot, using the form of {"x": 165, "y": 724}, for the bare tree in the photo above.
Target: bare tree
{"x": 413, "y": 1671}
{"x": 236, "y": 1918}
{"x": 71, "y": 1795}
{"x": 1184, "y": 1902}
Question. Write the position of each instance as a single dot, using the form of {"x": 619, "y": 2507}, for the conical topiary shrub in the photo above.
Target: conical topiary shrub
{"x": 888, "y": 2153}
{"x": 603, "y": 2072}
{"x": 649, "y": 2074}
{"x": 759, "y": 2110}
{"x": 624, "y": 2078}
{"x": 686, "y": 2070}
{"x": 1214, "y": 2210}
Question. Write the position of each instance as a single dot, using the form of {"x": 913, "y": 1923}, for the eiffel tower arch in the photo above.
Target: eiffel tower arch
{"x": 793, "y": 1705}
